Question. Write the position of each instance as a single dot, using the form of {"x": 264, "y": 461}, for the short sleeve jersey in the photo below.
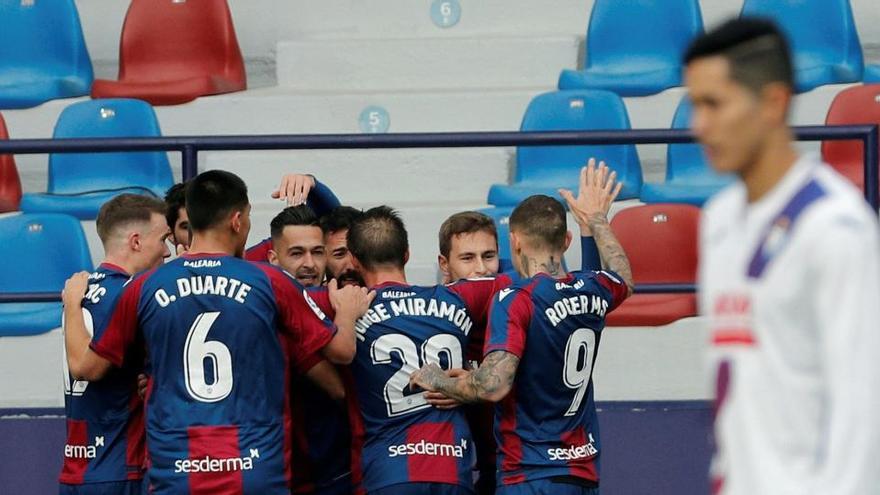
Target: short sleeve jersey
{"x": 397, "y": 436}
{"x": 217, "y": 412}
{"x": 546, "y": 426}
{"x": 105, "y": 419}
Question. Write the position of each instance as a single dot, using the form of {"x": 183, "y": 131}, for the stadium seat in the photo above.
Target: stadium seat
{"x": 689, "y": 177}
{"x": 174, "y": 51}
{"x": 43, "y": 251}
{"x": 661, "y": 243}
{"x": 544, "y": 169}
{"x": 43, "y": 55}
{"x": 823, "y": 38}
{"x": 634, "y": 47}
{"x": 855, "y": 105}
{"x": 872, "y": 74}
{"x": 10, "y": 185}
{"x": 501, "y": 216}
{"x": 79, "y": 183}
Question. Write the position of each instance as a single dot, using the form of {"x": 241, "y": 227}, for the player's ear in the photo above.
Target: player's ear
{"x": 567, "y": 240}
{"x": 776, "y": 100}
{"x": 406, "y": 257}
{"x": 134, "y": 240}
{"x": 235, "y": 221}
{"x": 272, "y": 257}
{"x": 514, "y": 244}
{"x": 443, "y": 263}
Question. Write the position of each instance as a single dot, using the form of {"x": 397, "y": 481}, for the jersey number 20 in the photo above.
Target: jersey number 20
{"x": 196, "y": 351}
{"x": 405, "y": 348}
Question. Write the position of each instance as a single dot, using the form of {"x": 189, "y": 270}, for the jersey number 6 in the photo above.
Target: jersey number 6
{"x": 196, "y": 351}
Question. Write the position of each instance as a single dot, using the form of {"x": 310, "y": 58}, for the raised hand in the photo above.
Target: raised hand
{"x": 598, "y": 188}
{"x": 294, "y": 189}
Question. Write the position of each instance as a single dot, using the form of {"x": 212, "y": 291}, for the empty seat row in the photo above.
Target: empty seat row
{"x": 543, "y": 169}
{"x": 635, "y": 47}
{"x": 172, "y": 51}
{"x": 79, "y": 183}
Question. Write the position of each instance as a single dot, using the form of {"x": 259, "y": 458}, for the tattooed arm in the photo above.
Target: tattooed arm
{"x": 598, "y": 189}
{"x": 491, "y": 382}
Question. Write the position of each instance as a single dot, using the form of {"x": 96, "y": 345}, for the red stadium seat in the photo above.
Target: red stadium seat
{"x": 173, "y": 51}
{"x": 10, "y": 185}
{"x": 661, "y": 243}
{"x": 855, "y": 105}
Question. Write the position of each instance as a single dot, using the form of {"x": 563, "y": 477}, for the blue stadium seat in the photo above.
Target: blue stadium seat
{"x": 544, "y": 169}
{"x": 689, "y": 177}
{"x": 872, "y": 74}
{"x": 79, "y": 183}
{"x": 501, "y": 215}
{"x": 823, "y": 38}
{"x": 41, "y": 251}
{"x": 43, "y": 54}
{"x": 634, "y": 47}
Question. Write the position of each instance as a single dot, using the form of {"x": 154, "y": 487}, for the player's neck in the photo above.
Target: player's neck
{"x": 384, "y": 276}
{"x": 770, "y": 166}
{"x": 533, "y": 263}
{"x": 122, "y": 261}
{"x": 212, "y": 242}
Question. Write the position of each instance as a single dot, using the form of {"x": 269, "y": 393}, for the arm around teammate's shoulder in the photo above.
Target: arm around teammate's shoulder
{"x": 349, "y": 304}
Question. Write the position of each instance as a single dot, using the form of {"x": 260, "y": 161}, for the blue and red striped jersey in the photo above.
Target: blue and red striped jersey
{"x": 216, "y": 331}
{"x": 397, "y": 436}
{"x": 546, "y": 426}
{"x": 105, "y": 419}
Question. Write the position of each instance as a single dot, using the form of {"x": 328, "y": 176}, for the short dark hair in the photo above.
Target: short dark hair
{"x": 378, "y": 237}
{"x": 465, "y": 222}
{"x": 755, "y": 47}
{"x": 339, "y": 218}
{"x": 175, "y": 199}
{"x": 292, "y": 215}
{"x": 212, "y": 196}
{"x": 542, "y": 219}
{"x": 124, "y": 209}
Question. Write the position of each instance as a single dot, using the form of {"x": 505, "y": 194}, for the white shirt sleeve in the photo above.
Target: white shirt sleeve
{"x": 846, "y": 264}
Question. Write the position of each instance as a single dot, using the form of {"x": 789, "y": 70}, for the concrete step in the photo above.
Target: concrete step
{"x": 425, "y": 63}
{"x": 278, "y": 111}
{"x": 399, "y": 177}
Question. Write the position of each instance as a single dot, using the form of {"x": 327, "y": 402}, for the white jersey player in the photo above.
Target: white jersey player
{"x": 790, "y": 283}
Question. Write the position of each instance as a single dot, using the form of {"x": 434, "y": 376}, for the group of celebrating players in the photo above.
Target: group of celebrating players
{"x": 308, "y": 364}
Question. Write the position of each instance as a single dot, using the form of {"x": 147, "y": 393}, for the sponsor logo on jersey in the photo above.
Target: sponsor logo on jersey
{"x": 312, "y": 304}
{"x": 208, "y": 464}
{"x": 425, "y": 447}
{"x": 573, "y": 452}
{"x": 202, "y": 264}
{"x": 83, "y": 451}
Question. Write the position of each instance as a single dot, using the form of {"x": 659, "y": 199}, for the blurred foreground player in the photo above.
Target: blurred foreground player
{"x": 216, "y": 329}
{"x": 104, "y": 451}
{"x": 790, "y": 282}
{"x": 541, "y": 345}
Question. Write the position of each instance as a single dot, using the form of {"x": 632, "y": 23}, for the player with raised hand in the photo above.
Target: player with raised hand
{"x": 104, "y": 452}
{"x": 789, "y": 279}
{"x": 215, "y": 329}
{"x": 541, "y": 345}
